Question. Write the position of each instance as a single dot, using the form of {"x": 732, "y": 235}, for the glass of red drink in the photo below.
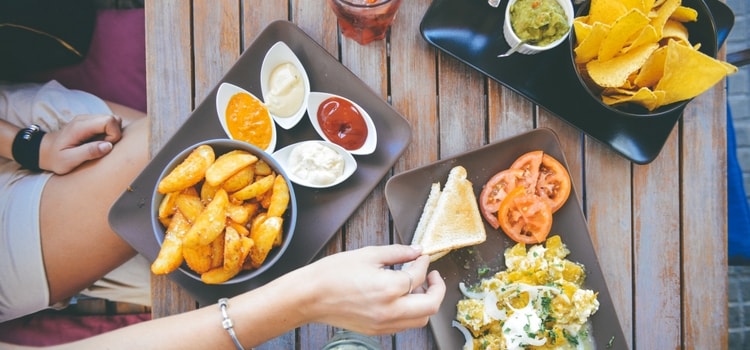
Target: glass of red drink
{"x": 365, "y": 20}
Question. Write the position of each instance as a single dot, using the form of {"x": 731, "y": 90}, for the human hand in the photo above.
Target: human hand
{"x": 358, "y": 291}
{"x": 84, "y": 138}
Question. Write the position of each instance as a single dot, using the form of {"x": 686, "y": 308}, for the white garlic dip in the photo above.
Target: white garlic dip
{"x": 286, "y": 90}
{"x": 316, "y": 163}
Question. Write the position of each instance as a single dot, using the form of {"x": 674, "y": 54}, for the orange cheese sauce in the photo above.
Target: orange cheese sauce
{"x": 248, "y": 120}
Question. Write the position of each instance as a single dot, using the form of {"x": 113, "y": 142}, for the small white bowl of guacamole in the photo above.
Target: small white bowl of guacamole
{"x": 540, "y": 24}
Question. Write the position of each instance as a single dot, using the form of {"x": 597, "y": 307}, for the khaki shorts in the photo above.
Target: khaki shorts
{"x": 23, "y": 282}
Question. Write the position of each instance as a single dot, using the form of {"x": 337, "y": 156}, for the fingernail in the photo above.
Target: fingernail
{"x": 105, "y": 147}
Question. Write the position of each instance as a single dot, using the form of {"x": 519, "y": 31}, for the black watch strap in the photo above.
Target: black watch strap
{"x": 26, "y": 147}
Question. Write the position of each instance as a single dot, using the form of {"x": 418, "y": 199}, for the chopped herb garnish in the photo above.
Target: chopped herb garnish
{"x": 611, "y": 342}
{"x": 483, "y": 271}
{"x": 570, "y": 338}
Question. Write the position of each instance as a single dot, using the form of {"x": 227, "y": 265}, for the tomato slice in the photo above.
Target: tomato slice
{"x": 553, "y": 184}
{"x": 529, "y": 162}
{"x": 495, "y": 190}
{"x": 525, "y": 218}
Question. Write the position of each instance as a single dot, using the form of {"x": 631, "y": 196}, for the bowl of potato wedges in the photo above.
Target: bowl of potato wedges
{"x": 223, "y": 211}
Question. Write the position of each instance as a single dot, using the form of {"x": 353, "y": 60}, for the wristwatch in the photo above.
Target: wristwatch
{"x": 26, "y": 147}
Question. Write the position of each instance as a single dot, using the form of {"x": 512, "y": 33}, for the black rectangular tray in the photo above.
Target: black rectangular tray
{"x": 322, "y": 212}
{"x": 471, "y": 31}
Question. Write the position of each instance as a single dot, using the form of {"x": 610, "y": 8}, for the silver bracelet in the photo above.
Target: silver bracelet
{"x": 227, "y": 323}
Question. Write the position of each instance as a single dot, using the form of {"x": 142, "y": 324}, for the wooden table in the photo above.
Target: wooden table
{"x": 659, "y": 229}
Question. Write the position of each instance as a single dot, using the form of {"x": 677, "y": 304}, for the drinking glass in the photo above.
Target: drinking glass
{"x": 365, "y": 20}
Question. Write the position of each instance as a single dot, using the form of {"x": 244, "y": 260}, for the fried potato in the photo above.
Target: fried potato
{"x": 236, "y": 248}
{"x": 217, "y": 251}
{"x": 188, "y": 173}
{"x": 238, "y": 213}
{"x": 210, "y": 223}
{"x": 239, "y": 180}
{"x": 264, "y": 236}
{"x": 218, "y": 275}
{"x": 279, "y": 197}
{"x": 170, "y": 255}
{"x": 227, "y": 165}
{"x": 167, "y": 207}
{"x": 189, "y": 204}
{"x": 241, "y": 229}
{"x": 255, "y": 189}
{"x": 208, "y": 192}
{"x": 262, "y": 168}
{"x": 198, "y": 258}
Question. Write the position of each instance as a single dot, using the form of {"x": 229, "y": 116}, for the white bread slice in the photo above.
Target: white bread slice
{"x": 454, "y": 221}
{"x": 429, "y": 208}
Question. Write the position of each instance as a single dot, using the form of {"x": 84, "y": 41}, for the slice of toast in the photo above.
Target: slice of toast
{"x": 450, "y": 218}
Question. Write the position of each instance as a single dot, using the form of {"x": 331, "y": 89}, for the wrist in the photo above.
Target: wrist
{"x": 26, "y": 147}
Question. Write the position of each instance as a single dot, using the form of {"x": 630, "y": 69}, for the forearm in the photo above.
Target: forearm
{"x": 8, "y": 132}
{"x": 258, "y": 316}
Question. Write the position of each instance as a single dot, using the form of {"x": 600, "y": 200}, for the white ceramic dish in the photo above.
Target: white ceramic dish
{"x": 279, "y": 54}
{"x": 223, "y": 95}
{"x": 314, "y": 101}
{"x": 512, "y": 39}
{"x": 282, "y": 156}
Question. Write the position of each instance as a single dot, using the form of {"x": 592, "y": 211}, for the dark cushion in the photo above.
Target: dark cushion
{"x": 115, "y": 66}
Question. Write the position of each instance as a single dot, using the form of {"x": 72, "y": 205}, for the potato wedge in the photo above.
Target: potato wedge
{"x": 198, "y": 258}
{"x": 279, "y": 197}
{"x": 189, "y": 204}
{"x": 264, "y": 236}
{"x": 167, "y": 207}
{"x": 236, "y": 249}
{"x": 210, "y": 222}
{"x": 238, "y": 213}
{"x": 239, "y": 180}
{"x": 262, "y": 168}
{"x": 218, "y": 275}
{"x": 217, "y": 251}
{"x": 188, "y": 173}
{"x": 255, "y": 189}
{"x": 170, "y": 255}
{"x": 227, "y": 165}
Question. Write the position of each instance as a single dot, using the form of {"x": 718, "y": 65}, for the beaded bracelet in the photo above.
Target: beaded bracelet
{"x": 227, "y": 323}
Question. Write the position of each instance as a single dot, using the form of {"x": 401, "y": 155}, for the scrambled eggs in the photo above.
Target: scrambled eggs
{"x": 537, "y": 303}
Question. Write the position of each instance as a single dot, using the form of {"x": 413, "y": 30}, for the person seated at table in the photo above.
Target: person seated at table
{"x": 56, "y": 237}
{"x": 58, "y": 188}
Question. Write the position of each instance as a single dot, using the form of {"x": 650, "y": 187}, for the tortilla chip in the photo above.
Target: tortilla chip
{"x": 623, "y": 28}
{"x": 688, "y": 72}
{"x": 588, "y": 49}
{"x": 684, "y": 14}
{"x": 644, "y": 97}
{"x": 676, "y": 30}
{"x": 663, "y": 14}
{"x": 615, "y": 72}
{"x": 646, "y": 36}
{"x": 605, "y": 11}
{"x": 653, "y": 69}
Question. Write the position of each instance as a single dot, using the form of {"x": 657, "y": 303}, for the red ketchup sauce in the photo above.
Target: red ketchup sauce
{"x": 342, "y": 123}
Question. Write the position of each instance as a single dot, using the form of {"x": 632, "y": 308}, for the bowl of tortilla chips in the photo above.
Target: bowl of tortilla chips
{"x": 644, "y": 58}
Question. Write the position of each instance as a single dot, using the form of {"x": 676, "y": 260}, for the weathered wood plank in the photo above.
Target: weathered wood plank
{"x": 608, "y": 205}
{"x": 704, "y": 222}
{"x": 656, "y": 249}
{"x": 461, "y": 107}
{"x": 216, "y": 31}
{"x": 169, "y": 88}
{"x": 508, "y": 113}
